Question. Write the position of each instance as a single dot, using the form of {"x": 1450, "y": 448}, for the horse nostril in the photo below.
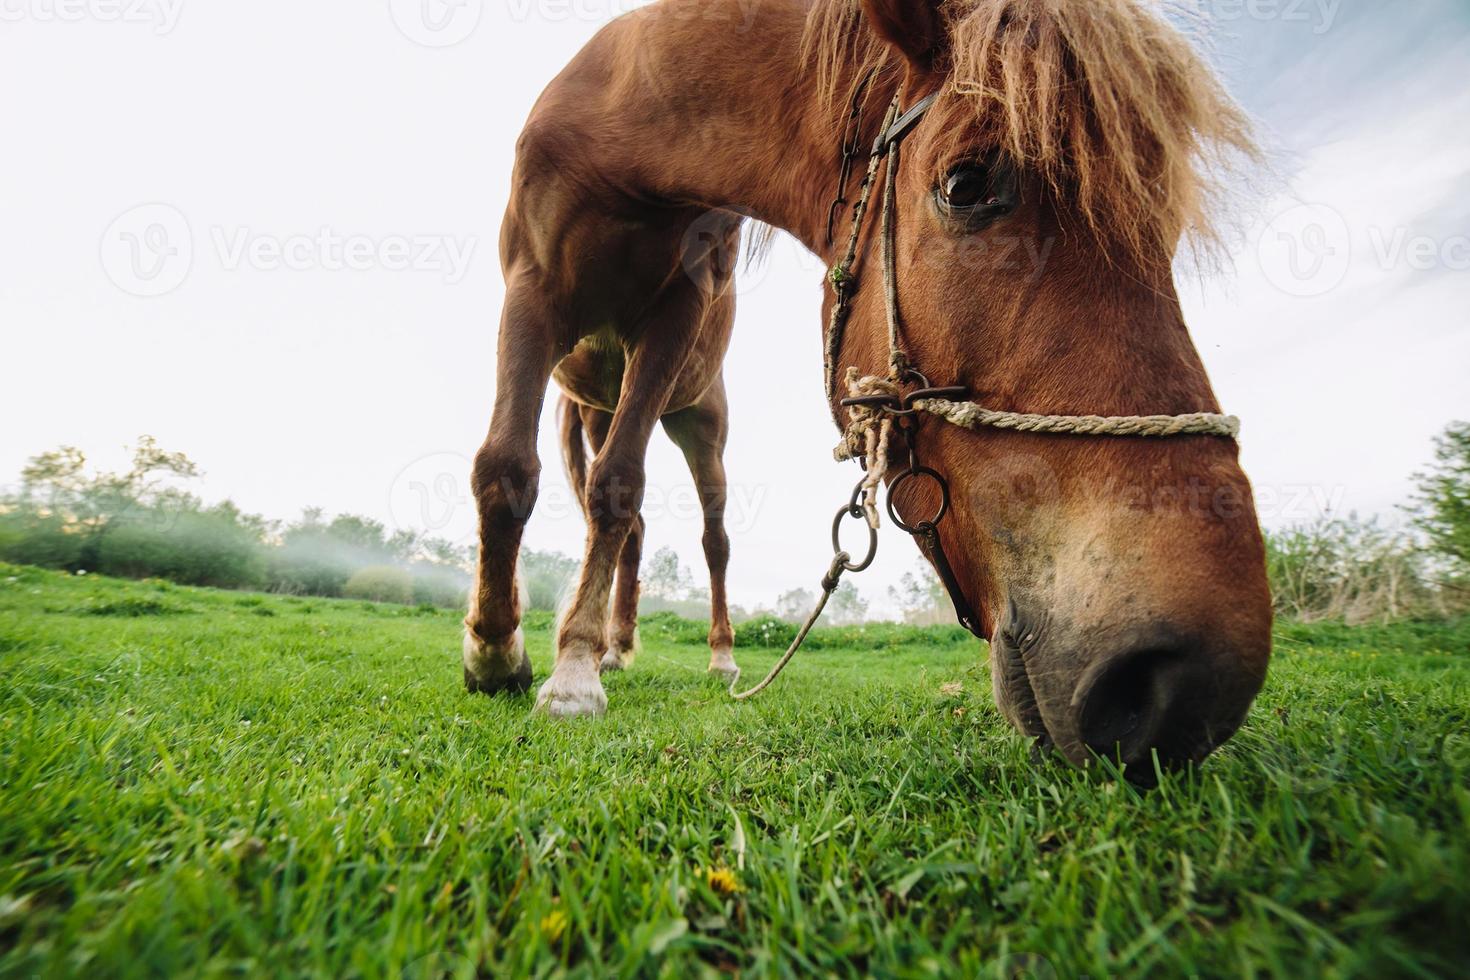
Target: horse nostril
{"x": 1143, "y": 702}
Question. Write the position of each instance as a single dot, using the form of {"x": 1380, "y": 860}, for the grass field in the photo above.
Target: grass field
{"x": 195, "y": 782}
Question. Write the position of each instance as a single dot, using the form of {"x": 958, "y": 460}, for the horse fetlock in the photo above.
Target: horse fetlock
{"x": 722, "y": 664}
{"x": 574, "y": 690}
{"x": 496, "y": 668}
{"x": 622, "y": 651}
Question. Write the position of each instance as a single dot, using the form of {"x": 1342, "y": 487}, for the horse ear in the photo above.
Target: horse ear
{"x": 914, "y": 27}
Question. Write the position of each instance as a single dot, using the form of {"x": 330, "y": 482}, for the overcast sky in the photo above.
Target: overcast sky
{"x": 265, "y": 233}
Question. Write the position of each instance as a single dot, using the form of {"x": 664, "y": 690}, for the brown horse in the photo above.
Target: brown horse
{"x": 1121, "y": 582}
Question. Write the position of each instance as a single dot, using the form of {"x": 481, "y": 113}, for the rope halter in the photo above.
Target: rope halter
{"x": 874, "y": 401}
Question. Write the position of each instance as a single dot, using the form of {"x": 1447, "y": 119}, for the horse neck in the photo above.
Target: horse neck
{"x": 748, "y": 129}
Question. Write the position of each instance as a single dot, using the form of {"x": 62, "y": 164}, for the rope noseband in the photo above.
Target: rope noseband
{"x": 878, "y": 406}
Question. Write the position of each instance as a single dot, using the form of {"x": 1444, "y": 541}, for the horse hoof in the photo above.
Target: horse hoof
{"x": 496, "y": 668}
{"x": 575, "y": 693}
{"x": 723, "y": 666}
{"x": 612, "y": 662}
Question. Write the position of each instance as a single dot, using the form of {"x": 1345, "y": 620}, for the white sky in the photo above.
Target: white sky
{"x": 343, "y": 375}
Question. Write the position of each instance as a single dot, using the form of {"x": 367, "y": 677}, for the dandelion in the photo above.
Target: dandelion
{"x": 554, "y": 925}
{"x": 721, "y": 881}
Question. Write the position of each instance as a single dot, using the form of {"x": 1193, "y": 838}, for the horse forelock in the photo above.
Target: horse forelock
{"x": 1108, "y": 101}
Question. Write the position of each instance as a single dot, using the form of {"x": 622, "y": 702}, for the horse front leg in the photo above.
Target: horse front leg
{"x": 622, "y": 626}
{"x": 615, "y": 485}
{"x": 700, "y": 432}
{"x": 505, "y": 482}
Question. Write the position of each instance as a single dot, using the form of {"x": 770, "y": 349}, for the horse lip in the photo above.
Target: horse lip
{"x": 1017, "y": 683}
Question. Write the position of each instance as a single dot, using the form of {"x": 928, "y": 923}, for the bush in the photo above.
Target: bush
{"x": 1347, "y": 570}
{"x": 673, "y": 628}
{"x": 440, "y": 586}
{"x": 381, "y": 583}
{"x": 765, "y": 631}
{"x": 298, "y": 570}
{"x": 544, "y": 578}
{"x": 43, "y": 541}
{"x": 209, "y": 548}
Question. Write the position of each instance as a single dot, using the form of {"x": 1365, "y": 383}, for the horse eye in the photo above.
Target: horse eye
{"x": 976, "y": 192}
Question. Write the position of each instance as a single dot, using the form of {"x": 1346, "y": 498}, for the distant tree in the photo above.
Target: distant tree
{"x": 545, "y": 576}
{"x": 795, "y": 606}
{"x": 664, "y": 578}
{"x": 847, "y": 607}
{"x": 96, "y": 504}
{"x": 1442, "y": 504}
{"x": 920, "y": 595}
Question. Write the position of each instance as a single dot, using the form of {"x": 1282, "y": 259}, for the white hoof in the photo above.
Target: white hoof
{"x": 722, "y": 665}
{"x": 574, "y": 691}
{"x": 493, "y": 668}
{"x": 612, "y": 662}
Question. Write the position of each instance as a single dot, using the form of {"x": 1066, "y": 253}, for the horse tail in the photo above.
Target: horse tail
{"x": 574, "y": 448}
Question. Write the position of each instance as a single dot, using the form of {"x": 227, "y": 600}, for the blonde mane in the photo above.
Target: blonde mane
{"x": 1106, "y": 100}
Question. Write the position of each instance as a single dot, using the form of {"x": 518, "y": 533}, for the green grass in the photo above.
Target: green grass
{"x": 195, "y": 782}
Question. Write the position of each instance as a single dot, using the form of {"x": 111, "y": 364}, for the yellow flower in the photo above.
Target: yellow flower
{"x": 722, "y": 880}
{"x": 554, "y": 926}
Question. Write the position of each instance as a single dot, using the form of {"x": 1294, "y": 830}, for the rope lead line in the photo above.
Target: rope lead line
{"x": 829, "y": 586}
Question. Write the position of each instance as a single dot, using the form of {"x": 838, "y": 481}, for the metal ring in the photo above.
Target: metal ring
{"x": 915, "y": 376}
{"x": 943, "y": 500}
{"x": 837, "y": 548}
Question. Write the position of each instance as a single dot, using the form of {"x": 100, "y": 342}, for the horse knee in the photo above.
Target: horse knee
{"x": 505, "y": 485}
{"x": 614, "y": 495}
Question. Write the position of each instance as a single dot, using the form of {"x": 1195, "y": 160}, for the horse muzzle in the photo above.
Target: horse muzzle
{"x": 1154, "y": 699}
